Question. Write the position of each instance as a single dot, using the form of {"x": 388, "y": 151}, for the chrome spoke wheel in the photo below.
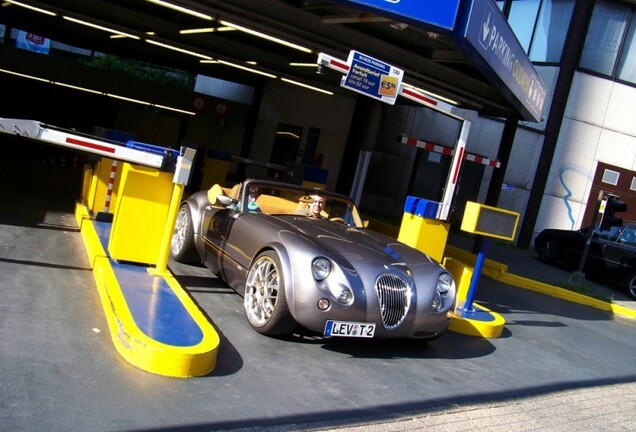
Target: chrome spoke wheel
{"x": 182, "y": 247}
{"x": 261, "y": 291}
{"x": 180, "y": 232}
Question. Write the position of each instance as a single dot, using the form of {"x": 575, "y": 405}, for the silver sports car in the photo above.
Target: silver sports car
{"x": 303, "y": 256}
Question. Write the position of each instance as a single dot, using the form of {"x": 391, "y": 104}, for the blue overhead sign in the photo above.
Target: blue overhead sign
{"x": 439, "y": 13}
{"x": 481, "y": 31}
{"x": 372, "y": 77}
{"x": 487, "y": 38}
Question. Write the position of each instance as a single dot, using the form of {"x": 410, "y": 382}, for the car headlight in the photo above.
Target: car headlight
{"x": 320, "y": 268}
{"x": 444, "y": 283}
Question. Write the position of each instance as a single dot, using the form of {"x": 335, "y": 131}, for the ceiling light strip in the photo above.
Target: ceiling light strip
{"x": 96, "y": 92}
{"x": 266, "y": 36}
{"x": 74, "y": 87}
{"x": 181, "y": 50}
{"x": 307, "y": 86}
{"x": 248, "y": 69}
{"x": 33, "y": 8}
{"x": 173, "y": 109}
{"x": 197, "y": 30}
{"x": 24, "y": 75}
{"x": 127, "y": 99}
{"x": 296, "y": 64}
{"x": 100, "y": 27}
{"x": 182, "y": 9}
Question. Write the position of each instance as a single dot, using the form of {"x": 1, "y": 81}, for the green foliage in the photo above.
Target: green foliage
{"x": 578, "y": 284}
{"x": 144, "y": 71}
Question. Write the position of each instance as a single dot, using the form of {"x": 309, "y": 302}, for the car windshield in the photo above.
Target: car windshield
{"x": 628, "y": 236}
{"x": 625, "y": 234}
{"x": 610, "y": 234}
{"x": 281, "y": 199}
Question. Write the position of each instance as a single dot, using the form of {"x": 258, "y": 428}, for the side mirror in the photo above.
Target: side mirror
{"x": 224, "y": 200}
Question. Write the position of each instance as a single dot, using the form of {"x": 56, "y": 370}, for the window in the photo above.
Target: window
{"x": 540, "y": 26}
{"x": 604, "y": 37}
{"x": 285, "y": 150}
{"x": 522, "y": 19}
{"x": 551, "y": 30}
{"x": 633, "y": 185}
{"x": 224, "y": 89}
{"x": 627, "y": 63}
{"x": 610, "y": 177}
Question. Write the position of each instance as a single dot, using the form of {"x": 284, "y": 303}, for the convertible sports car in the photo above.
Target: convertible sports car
{"x": 302, "y": 256}
{"x": 611, "y": 254}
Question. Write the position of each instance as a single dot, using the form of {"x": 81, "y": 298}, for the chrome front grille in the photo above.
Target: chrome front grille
{"x": 394, "y": 297}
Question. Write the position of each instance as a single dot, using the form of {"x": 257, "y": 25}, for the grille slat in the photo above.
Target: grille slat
{"x": 394, "y": 297}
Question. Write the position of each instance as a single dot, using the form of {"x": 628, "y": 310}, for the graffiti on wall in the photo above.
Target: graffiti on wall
{"x": 568, "y": 192}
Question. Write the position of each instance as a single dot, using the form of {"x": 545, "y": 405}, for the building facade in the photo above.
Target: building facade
{"x": 585, "y": 52}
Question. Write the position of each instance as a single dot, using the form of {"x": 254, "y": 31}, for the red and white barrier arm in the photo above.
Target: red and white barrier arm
{"x": 36, "y": 130}
{"x": 406, "y": 90}
{"x": 449, "y": 151}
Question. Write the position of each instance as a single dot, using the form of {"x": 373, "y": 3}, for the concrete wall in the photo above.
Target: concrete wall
{"x": 598, "y": 126}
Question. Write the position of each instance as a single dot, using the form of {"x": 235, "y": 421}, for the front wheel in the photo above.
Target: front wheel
{"x": 265, "y": 301}
{"x": 182, "y": 243}
{"x": 548, "y": 251}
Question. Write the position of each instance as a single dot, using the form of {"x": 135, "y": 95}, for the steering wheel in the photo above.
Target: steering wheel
{"x": 338, "y": 219}
{"x": 629, "y": 237}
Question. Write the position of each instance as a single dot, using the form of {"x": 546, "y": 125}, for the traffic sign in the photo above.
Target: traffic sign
{"x": 372, "y": 77}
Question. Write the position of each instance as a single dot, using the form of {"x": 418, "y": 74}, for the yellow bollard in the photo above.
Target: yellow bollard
{"x": 420, "y": 230}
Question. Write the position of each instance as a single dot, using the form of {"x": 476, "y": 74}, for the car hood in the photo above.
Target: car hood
{"x": 354, "y": 246}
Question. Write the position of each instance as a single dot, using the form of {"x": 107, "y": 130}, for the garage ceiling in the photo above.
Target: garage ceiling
{"x": 430, "y": 60}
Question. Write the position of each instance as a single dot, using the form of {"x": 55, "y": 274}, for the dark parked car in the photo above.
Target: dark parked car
{"x": 611, "y": 255}
{"x": 302, "y": 256}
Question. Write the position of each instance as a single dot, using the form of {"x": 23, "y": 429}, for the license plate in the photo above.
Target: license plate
{"x": 349, "y": 329}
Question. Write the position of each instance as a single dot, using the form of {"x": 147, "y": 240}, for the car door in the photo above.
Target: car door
{"x": 217, "y": 223}
{"x": 571, "y": 245}
{"x": 619, "y": 253}
{"x": 596, "y": 261}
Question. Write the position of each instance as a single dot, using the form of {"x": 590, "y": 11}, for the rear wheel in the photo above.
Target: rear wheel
{"x": 548, "y": 251}
{"x": 265, "y": 301}
{"x": 182, "y": 244}
{"x": 631, "y": 286}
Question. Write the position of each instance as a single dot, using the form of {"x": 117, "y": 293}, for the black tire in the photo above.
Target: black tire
{"x": 631, "y": 286}
{"x": 182, "y": 246}
{"x": 264, "y": 300}
{"x": 548, "y": 251}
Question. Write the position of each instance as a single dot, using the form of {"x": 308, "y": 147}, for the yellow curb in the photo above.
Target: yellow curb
{"x": 565, "y": 294}
{"x": 499, "y": 271}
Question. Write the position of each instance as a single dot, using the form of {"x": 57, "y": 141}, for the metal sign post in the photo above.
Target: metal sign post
{"x": 579, "y": 276}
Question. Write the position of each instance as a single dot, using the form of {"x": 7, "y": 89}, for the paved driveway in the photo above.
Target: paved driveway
{"x": 60, "y": 371}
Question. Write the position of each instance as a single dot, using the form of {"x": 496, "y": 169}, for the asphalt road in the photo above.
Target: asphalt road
{"x": 59, "y": 370}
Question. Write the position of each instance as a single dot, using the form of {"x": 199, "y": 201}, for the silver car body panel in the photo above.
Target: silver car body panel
{"x": 229, "y": 240}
